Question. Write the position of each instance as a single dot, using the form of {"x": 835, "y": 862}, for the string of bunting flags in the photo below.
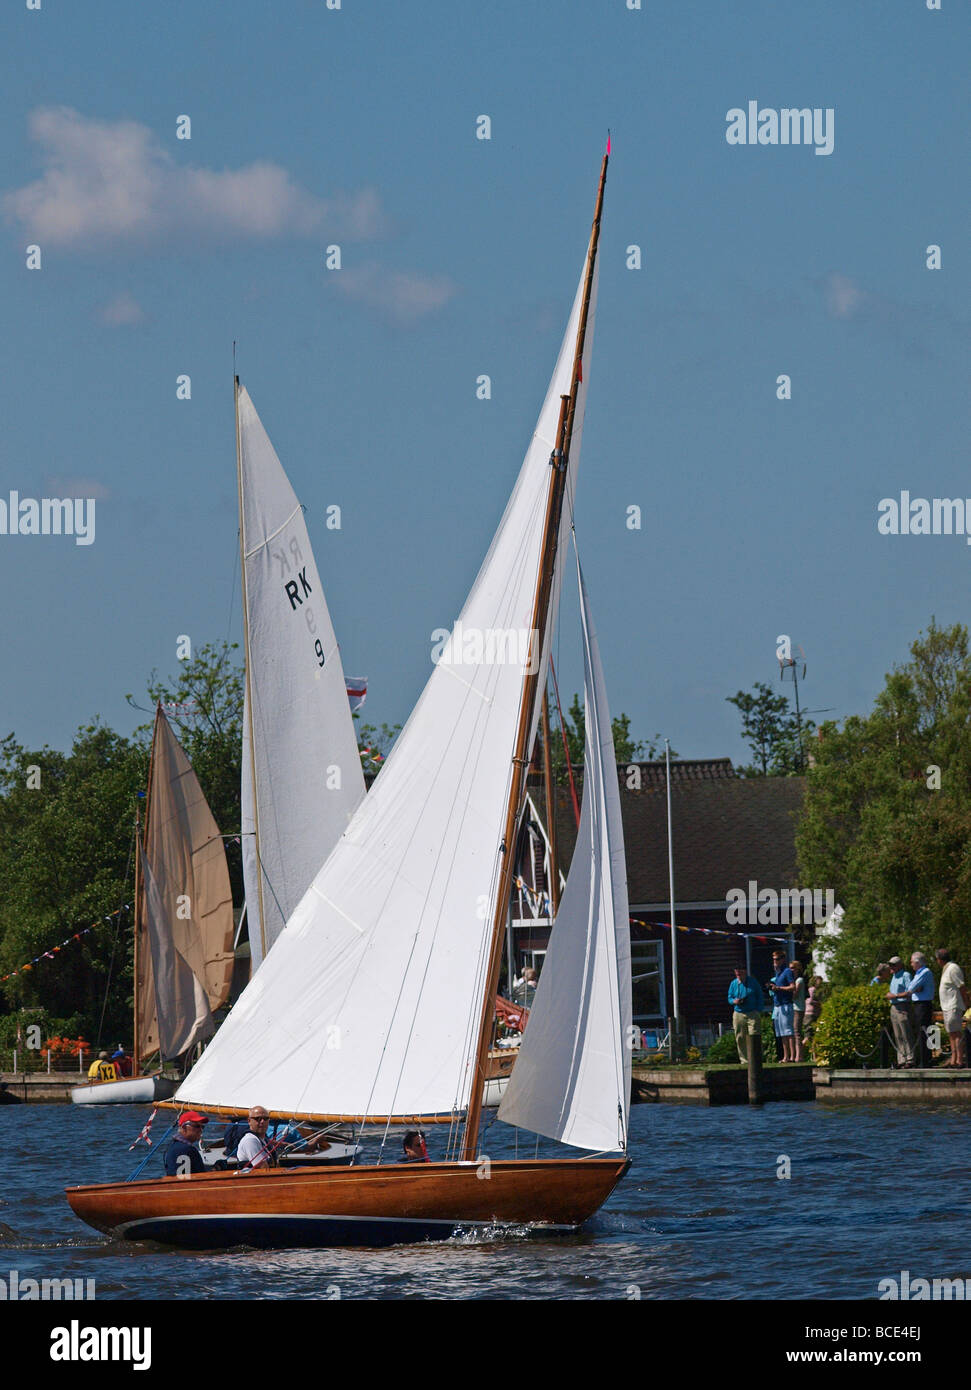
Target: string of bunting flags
{"x": 52, "y": 951}
{"x": 540, "y": 901}
{"x": 709, "y": 931}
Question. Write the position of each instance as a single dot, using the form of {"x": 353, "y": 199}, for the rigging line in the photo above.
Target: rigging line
{"x": 566, "y": 747}
{"x": 114, "y": 943}
{"x": 232, "y": 588}
{"x": 273, "y": 534}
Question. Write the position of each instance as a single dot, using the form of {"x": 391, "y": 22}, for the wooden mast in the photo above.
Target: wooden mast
{"x": 554, "y": 883}
{"x": 136, "y": 998}
{"x": 249, "y": 691}
{"x": 544, "y": 587}
{"x": 140, "y": 841}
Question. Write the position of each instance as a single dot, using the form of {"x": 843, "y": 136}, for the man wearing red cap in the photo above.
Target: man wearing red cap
{"x": 182, "y": 1156}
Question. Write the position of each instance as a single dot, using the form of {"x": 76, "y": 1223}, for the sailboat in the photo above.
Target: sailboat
{"x": 183, "y": 924}
{"x": 375, "y": 1004}
{"x": 301, "y": 776}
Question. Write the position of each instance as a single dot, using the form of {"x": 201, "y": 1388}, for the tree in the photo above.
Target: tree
{"x": 626, "y": 749}
{"x": 772, "y": 731}
{"x": 887, "y": 817}
{"x": 66, "y": 838}
{"x": 374, "y": 744}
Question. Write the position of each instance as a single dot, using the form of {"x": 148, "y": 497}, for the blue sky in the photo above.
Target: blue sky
{"x": 460, "y": 257}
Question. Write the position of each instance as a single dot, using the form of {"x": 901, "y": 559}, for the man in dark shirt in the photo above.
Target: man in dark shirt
{"x": 182, "y": 1156}
{"x": 414, "y": 1148}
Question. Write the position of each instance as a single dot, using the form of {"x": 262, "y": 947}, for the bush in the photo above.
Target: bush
{"x": 50, "y": 1030}
{"x": 723, "y": 1049}
{"x": 849, "y": 1026}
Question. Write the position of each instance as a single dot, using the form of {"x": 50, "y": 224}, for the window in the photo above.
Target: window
{"x": 647, "y": 981}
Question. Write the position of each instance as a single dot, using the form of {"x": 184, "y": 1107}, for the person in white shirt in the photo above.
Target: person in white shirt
{"x": 954, "y": 1000}
{"x": 255, "y": 1148}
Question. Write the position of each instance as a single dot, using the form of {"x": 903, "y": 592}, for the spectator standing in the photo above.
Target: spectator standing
{"x": 745, "y": 997}
{"x": 798, "y": 1009}
{"x": 921, "y": 991}
{"x": 783, "y": 987}
{"x": 954, "y": 1000}
{"x": 901, "y": 1013}
{"x": 814, "y": 1006}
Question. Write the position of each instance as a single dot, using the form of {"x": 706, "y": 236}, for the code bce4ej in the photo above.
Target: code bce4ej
{"x": 842, "y": 1333}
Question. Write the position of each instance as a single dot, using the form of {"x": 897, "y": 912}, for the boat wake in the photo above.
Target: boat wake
{"x": 496, "y": 1231}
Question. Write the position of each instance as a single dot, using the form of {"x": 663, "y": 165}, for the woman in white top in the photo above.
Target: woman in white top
{"x": 954, "y": 1000}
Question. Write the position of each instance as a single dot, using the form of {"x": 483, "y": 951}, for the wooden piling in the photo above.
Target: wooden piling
{"x": 755, "y": 1067}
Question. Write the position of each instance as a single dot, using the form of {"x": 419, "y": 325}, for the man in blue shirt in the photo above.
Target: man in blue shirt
{"x": 901, "y": 1012}
{"x": 182, "y": 1157}
{"x": 745, "y": 997}
{"x": 783, "y": 987}
{"x": 921, "y": 991}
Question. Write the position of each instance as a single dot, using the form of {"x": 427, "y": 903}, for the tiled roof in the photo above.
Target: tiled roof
{"x": 726, "y": 831}
{"x": 683, "y": 770}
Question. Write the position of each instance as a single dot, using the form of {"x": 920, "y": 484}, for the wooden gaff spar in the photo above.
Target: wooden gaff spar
{"x": 377, "y": 998}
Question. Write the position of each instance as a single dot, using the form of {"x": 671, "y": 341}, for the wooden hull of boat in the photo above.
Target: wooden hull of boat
{"x": 128, "y": 1090}
{"x": 390, "y": 1205}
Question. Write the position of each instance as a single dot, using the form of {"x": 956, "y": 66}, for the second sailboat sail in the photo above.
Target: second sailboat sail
{"x": 302, "y": 778}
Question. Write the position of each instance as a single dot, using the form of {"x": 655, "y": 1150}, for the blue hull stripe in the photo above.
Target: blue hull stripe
{"x": 274, "y": 1232}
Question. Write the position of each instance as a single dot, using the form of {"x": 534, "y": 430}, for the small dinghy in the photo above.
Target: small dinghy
{"x": 129, "y": 1090}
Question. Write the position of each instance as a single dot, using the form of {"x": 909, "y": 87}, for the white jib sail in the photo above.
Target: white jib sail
{"x": 571, "y": 1080}
{"x": 368, "y": 1003}
{"x": 302, "y": 778}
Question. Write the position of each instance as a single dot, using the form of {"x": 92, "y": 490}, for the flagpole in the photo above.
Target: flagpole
{"x": 674, "y": 927}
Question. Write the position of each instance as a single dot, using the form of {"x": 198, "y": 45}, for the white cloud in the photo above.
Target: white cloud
{"x": 76, "y": 487}
{"x": 403, "y": 295}
{"x": 843, "y": 298}
{"x": 122, "y": 311}
{"x": 113, "y": 181}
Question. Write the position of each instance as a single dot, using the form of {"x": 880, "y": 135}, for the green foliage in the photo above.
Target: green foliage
{"x": 50, "y": 1027}
{"x": 896, "y": 849}
{"x": 66, "y": 845}
{"x": 626, "y": 749}
{"x": 64, "y": 863}
{"x": 204, "y": 705}
{"x": 374, "y": 744}
{"x": 769, "y": 726}
{"x": 849, "y": 1026}
{"x": 724, "y": 1049}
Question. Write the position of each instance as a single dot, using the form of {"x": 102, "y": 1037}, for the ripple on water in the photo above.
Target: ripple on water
{"x": 700, "y": 1178}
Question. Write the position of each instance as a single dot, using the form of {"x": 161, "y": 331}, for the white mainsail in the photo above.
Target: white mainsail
{"x": 369, "y": 1001}
{"x": 571, "y": 1080}
{"x": 301, "y": 779}
{"x": 187, "y": 907}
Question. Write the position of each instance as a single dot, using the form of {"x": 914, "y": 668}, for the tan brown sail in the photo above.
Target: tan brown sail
{"x": 185, "y": 955}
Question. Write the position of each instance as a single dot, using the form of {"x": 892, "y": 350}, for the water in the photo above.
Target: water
{"x": 702, "y": 1214}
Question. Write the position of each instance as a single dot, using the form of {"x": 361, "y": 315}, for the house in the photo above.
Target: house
{"x": 731, "y": 835}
